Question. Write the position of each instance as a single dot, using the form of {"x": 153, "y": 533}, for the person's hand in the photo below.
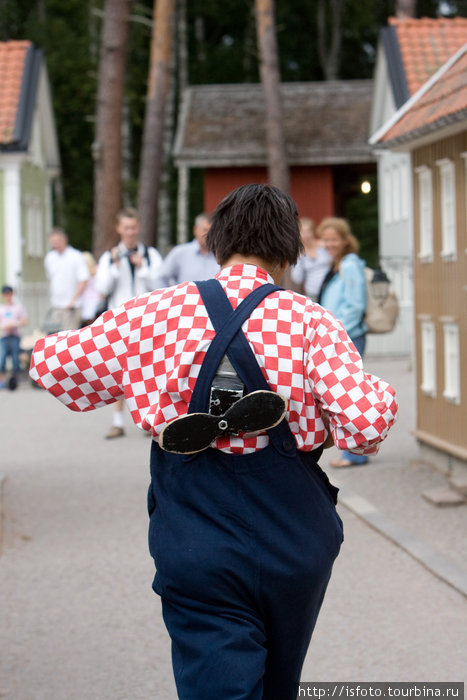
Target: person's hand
{"x": 114, "y": 254}
{"x": 136, "y": 259}
{"x": 9, "y": 326}
{"x": 329, "y": 442}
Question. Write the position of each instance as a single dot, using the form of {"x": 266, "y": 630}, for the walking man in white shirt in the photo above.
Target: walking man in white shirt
{"x": 189, "y": 261}
{"x": 127, "y": 270}
{"x": 68, "y": 274}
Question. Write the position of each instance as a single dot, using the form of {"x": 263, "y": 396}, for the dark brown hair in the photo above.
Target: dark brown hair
{"x": 258, "y": 220}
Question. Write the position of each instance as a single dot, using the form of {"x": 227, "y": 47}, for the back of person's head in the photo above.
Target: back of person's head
{"x": 256, "y": 220}
{"x": 342, "y": 228}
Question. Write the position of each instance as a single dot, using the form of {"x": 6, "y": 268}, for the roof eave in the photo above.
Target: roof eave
{"x": 230, "y": 160}
{"x": 442, "y": 128}
{"x": 27, "y": 99}
{"x": 396, "y": 69}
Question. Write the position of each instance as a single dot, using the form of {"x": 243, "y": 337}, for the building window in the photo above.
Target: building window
{"x": 452, "y": 386}
{"x": 396, "y": 192}
{"x": 425, "y": 205}
{"x": 448, "y": 209}
{"x": 428, "y": 358}
{"x": 34, "y": 239}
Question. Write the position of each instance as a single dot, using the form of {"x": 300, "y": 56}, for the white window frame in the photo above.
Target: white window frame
{"x": 34, "y": 238}
{"x": 387, "y": 184}
{"x": 452, "y": 375}
{"x": 464, "y": 156}
{"x": 428, "y": 346}
{"x": 447, "y": 174}
{"x": 425, "y": 199}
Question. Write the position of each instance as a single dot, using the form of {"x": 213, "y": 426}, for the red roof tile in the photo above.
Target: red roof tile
{"x": 12, "y": 59}
{"x": 426, "y": 44}
{"x": 443, "y": 102}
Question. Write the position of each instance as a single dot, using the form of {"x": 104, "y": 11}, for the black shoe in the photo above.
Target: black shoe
{"x": 12, "y": 383}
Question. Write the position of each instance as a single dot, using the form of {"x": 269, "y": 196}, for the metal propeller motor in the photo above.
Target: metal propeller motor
{"x": 231, "y": 411}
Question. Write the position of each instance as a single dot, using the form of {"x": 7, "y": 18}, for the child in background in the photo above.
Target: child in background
{"x": 12, "y": 318}
{"x": 91, "y": 300}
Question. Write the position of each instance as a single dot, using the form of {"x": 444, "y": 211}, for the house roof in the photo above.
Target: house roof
{"x": 325, "y": 123}
{"x": 441, "y": 103}
{"x": 417, "y": 48}
{"x": 19, "y": 76}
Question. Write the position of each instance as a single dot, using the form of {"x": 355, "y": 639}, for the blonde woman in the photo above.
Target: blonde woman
{"x": 343, "y": 292}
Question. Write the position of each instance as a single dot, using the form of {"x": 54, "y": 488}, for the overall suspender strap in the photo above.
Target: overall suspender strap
{"x": 227, "y": 324}
{"x": 231, "y": 340}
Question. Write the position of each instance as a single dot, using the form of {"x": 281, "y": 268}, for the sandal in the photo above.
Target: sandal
{"x": 343, "y": 463}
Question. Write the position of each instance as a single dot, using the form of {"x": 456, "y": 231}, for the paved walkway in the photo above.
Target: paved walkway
{"x": 78, "y": 617}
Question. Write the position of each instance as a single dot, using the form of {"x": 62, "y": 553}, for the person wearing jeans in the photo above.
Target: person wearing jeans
{"x": 343, "y": 292}
{"x": 12, "y": 318}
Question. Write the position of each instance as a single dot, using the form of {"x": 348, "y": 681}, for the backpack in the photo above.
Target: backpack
{"x": 381, "y": 314}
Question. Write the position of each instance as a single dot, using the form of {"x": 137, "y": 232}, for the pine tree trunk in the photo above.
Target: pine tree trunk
{"x": 183, "y": 171}
{"x": 278, "y": 170}
{"x": 152, "y": 148}
{"x": 107, "y": 148}
{"x": 329, "y": 12}
{"x": 405, "y": 8}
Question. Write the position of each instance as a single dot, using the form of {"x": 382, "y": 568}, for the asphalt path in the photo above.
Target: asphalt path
{"x": 78, "y": 617}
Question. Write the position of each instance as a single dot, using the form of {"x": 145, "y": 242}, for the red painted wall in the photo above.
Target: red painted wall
{"x": 311, "y": 187}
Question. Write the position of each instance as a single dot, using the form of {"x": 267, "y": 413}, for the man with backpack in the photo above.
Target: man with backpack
{"x": 127, "y": 270}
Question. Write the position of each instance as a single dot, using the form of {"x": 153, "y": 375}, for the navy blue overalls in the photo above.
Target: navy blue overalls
{"x": 243, "y": 544}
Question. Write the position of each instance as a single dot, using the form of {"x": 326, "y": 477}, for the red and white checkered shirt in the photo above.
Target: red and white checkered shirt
{"x": 149, "y": 351}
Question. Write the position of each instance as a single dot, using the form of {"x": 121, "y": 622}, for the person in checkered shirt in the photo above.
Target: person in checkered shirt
{"x": 243, "y": 524}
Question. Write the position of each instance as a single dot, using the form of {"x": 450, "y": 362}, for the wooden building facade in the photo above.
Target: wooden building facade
{"x": 432, "y": 127}
{"x": 440, "y": 272}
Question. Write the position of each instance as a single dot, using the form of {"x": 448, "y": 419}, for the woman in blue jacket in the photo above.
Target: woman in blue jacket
{"x": 343, "y": 292}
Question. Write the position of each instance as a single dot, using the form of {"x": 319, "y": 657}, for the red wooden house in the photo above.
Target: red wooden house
{"x": 222, "y": 131}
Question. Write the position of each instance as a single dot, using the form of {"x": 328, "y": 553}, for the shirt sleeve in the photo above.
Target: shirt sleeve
{"x": 84, "y": 368}
{"x": 361, "y": 407}
{"x": 106, "y": 274}
{"x": 167, "y": 272}
{"x": 297, "y": 272}
{"x": 21, "y": 314}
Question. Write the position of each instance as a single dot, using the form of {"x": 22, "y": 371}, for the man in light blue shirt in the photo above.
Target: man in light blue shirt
{"x": 189, "y": 261}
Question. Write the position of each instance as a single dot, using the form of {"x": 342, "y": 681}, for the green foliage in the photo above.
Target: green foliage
{"x": 139, "y": 42}
{"x": 222, "y": 42}
{"x": 361, "y": 210}
{"x": 222, "y": 49}
{"x": 63, "y": 31}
